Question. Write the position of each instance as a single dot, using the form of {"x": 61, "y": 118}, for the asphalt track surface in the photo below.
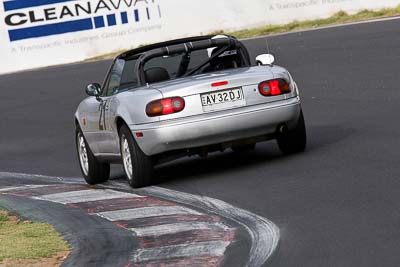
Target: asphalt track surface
{"x": 337, "y": 204}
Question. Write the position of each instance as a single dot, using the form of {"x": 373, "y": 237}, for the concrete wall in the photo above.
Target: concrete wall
{"x": 38, "y": 33}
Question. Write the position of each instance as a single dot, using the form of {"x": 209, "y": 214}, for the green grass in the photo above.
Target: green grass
{"x": 26, "y": 240}
{"x": 3, "y": 217}
{"x": 340, "y": 17}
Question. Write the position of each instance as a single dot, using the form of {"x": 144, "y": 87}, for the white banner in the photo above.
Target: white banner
{"x": 39, "y": 33}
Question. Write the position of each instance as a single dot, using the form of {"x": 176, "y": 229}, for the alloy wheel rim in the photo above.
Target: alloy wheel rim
{"x": 126, "y": 157}
{"x": 83, "y": 156}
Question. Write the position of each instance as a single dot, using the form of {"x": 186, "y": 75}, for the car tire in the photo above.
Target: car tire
{"x": 294, "y": 141}
{"x": 138, "y": 166}
{"x": 243, "y": 148}
{"x": 94, "y": 171}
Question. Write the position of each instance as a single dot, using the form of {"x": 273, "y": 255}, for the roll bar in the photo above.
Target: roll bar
{"x": 187, "y": 47}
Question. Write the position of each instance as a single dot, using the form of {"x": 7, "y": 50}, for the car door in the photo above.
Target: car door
{"x": 107, "y": 138}
{"x": 100, "y": 112}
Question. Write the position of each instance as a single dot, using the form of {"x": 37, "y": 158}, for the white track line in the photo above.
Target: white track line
{"x": 130, "y": 214}
{"x": 38, "y": 176}
{"x": 174, "y": 228}
{"x": 21, "y": 187}
{"x": 215, "y": 248}
{"x": 85, "y": 196}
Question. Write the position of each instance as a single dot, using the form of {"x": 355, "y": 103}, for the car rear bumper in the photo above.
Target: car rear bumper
{"x": 218, "y": 127}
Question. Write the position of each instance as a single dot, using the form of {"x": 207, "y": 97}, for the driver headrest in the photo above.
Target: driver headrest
{"x": 156, "y": 74}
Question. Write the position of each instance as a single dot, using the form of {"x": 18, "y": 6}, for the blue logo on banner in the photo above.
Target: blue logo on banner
{"x": 21, "y": 13}
{"x": 19, "y": 4}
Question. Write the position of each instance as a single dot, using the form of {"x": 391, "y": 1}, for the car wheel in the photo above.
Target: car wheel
{"x": 244, "y": 148}
{"x": 137, "y": 165}
{"x": 295, "y": 140}
{"x": 93, "y": 171}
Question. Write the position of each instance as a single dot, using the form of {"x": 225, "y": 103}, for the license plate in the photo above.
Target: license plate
{"x": 224, "y": 99}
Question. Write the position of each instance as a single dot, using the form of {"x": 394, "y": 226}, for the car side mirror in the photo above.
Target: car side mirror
{"x": 265, "y": 59}
{"x": 93, "y": 89}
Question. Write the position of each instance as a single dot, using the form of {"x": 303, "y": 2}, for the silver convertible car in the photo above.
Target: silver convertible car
{"x": 185, "y": 97}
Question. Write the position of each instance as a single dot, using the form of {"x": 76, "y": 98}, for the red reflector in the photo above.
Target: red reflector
{"x": 216, "y": 84}
{"x": 167, "y": 106}
{"x": 274, "y": 87}
{"x": 139, "y": 134}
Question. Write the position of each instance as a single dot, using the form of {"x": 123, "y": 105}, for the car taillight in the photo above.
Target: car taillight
{"x": 165, "y": 106}
{"x": 274, "y": 87}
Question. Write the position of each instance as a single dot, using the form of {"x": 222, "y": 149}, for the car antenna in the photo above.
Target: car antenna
{"x": 266, "y": 41}
{"x": 269, "y": 51}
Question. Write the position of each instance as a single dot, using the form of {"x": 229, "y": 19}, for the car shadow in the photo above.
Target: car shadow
{"x": 266, "y": 153}
{"x": 214, "y": 164}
